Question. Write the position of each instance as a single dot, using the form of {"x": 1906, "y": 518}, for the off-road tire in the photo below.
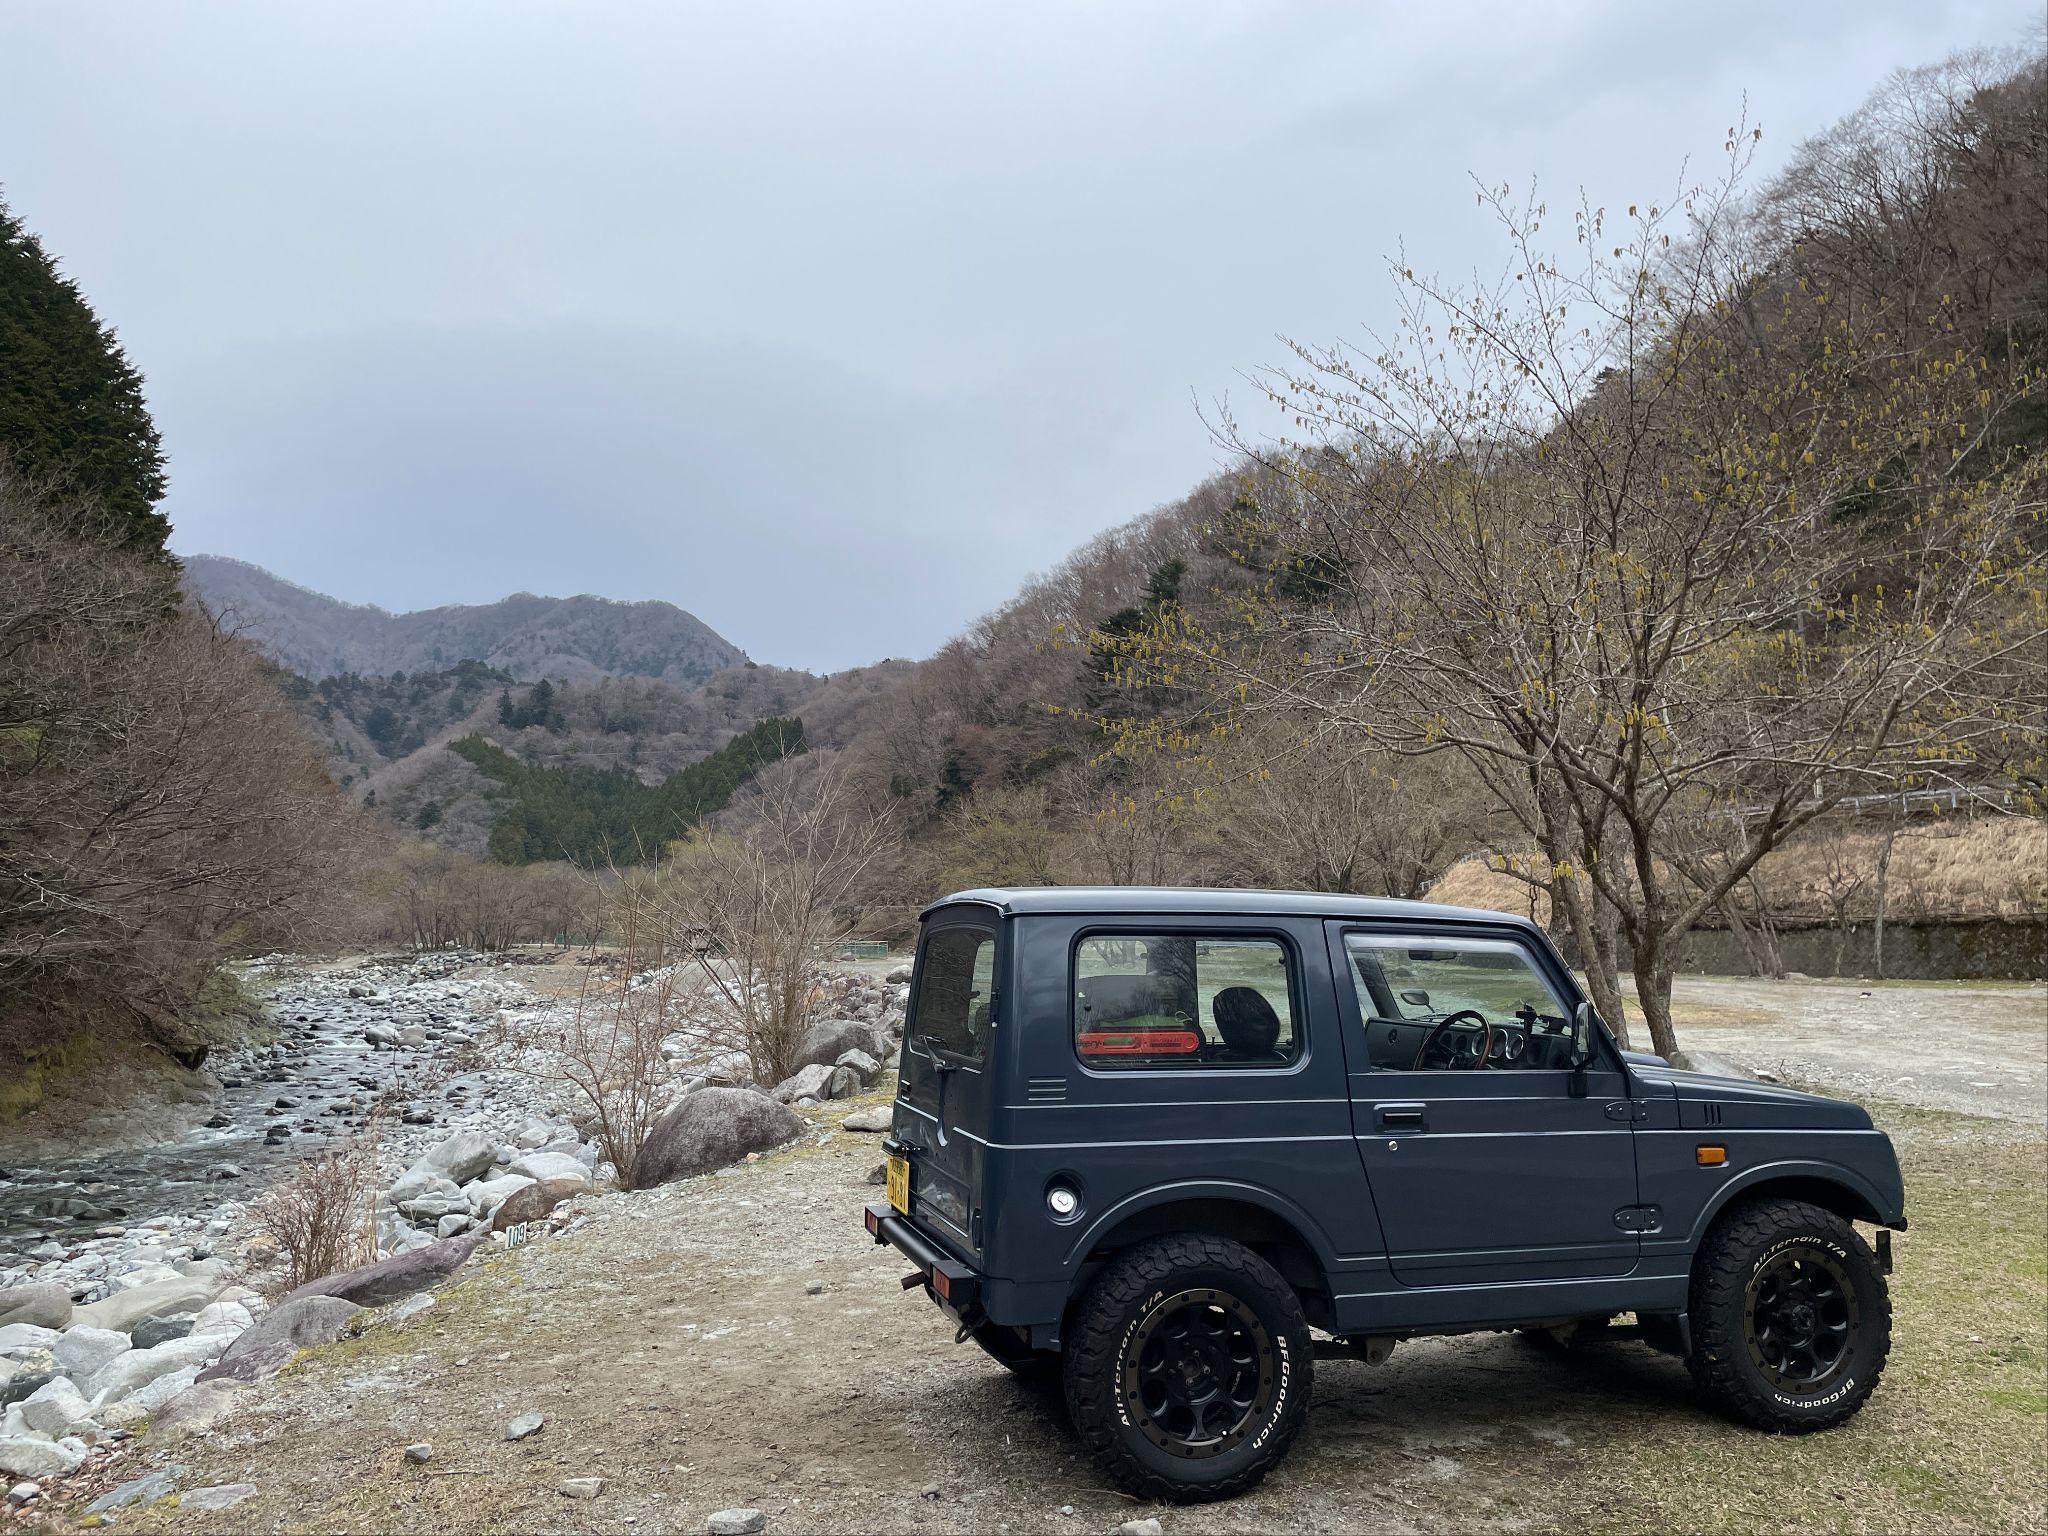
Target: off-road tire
{"x": 1740, "y": 1251}
{"x": 1112, "y": 1316}
{"x": 1004, "y": 1347}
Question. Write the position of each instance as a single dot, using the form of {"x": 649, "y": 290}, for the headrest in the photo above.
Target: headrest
{"x": 1246, "y": 1021}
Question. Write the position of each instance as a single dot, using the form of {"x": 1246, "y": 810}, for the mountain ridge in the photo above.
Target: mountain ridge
{"x": 528, "y": 635}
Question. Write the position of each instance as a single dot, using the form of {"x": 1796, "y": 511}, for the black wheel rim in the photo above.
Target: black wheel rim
{"x": 1198, "y": 1373}
{"x": 1802, "y": 1321}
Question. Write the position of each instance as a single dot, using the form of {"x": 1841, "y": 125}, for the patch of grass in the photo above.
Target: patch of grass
{"x": 1953, "y": 1438}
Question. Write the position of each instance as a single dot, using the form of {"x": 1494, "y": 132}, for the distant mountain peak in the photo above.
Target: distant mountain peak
{"x": 526, "y": 634}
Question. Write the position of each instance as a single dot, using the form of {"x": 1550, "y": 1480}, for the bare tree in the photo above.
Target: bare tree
{"x": 322, "y": 1214}
{"x": 762, "y": 897}
{"x": 1653, "y": 541}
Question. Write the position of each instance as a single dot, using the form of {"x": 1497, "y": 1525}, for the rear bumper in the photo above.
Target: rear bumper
{"x": 953, "y": 1285}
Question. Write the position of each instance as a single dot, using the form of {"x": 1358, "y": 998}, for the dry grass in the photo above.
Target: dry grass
{"x": 1953, "y": 869}
{"x": 323, "y": 1215}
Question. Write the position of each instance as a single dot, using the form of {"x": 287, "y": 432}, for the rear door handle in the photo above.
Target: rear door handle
{"x": 1400, "y": 1117}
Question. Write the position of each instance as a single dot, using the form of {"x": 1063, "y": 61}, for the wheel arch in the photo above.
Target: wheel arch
{"x": 1270, "y": 1225}
{"x": 1827, "y": 1185}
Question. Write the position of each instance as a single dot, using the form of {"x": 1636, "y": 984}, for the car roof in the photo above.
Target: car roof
{"x": 1188, "y": 900}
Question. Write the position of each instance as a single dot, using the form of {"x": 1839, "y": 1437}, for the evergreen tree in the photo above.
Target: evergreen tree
{"x": 72, "y": 416}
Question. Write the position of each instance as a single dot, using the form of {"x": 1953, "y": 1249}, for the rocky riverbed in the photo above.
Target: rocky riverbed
{"x": 138, "y": 1285}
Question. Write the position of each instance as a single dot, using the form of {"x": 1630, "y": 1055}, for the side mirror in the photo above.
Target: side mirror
{"x": 1582, "y": 1049}
{"x": 1416, "y": 999}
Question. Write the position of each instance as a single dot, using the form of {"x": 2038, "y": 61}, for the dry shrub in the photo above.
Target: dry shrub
{"x": 323, "y": 1215}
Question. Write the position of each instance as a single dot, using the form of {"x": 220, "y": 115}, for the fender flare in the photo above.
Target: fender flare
{"x": 1230, "y": 1190}
{"x": 1839, "y": 1174}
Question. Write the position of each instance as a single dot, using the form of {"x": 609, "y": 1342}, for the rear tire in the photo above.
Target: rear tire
{"x": 1791, "y": 1317}
{"x": 1188, "y": 1368}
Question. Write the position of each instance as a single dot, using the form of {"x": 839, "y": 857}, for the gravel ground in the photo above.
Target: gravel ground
{"x": 738, "y": 1341}
{"x": 1976, "y": 1050}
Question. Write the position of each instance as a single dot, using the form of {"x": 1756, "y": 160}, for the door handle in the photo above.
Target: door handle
{"x": 1400, "y": 1117}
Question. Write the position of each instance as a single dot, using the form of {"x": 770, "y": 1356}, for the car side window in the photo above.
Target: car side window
{"x": 955, "y": 989}
{"x": 1456, "y": 1005}
{"x": 1183, "y": 1000}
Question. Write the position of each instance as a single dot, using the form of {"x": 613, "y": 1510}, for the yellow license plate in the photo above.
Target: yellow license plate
{"x": 899, "y": 1183}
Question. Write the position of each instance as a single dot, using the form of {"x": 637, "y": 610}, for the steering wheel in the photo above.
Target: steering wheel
{"x": 1460, "y": 1053}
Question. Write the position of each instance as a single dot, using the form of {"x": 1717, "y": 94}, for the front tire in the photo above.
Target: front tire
{"x": 1791, "y": 1317}
{"x": 1188, "y": 1368}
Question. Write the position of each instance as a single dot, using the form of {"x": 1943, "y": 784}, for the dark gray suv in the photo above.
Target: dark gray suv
{"x": 1149, "y": 1139}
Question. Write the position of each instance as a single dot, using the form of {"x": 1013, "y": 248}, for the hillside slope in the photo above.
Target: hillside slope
{"x": 573, "y": 638}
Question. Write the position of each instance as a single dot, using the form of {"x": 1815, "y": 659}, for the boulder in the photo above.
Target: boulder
{"x": 263, "y": 1348}
{"x": 139, "y": 1367}
{"x": 486, "y": 1195}
{"x": 533, "y": 1201}
{"x": 40, "y": 1305}
{"x": 461, "y": 1157}
{"x": 161, "y": 1298}
{"x": 27, "y": 1456}
{"x": 418, "y": 1269}
{"x": 220, "y": 1496}
{"x": 420, "y": 1181}
{"x": 711, "y": 1129}
{"x": 829, "y": 1039}
{"x": 35, "y": 1369}
{"x": 736, "y": 1522}
{"x": 83, "y": 1350}
{"x": 876, "y": 1117}
{"x": 899, "y": 976}
{"x": 543, "y": 1166}
{"x": 806, "y": 1083}
{"x": 55, "y": 1409}
{"x": 861, "y": 1062}
{"x": 228, "y": 1317}
{"x": 152, "y": 1397}
{"x": 195, "y": 1413}
{"x": 17, "y": 1339}
{"x": 159, "y": 1328}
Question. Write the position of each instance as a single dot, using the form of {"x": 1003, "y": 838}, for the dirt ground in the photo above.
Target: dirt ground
{"x": 674, "y": 1346}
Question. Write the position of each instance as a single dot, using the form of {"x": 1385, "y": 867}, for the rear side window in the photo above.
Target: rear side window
{"x": 955, "y": 988}
{"x": 1183, "y": 1000}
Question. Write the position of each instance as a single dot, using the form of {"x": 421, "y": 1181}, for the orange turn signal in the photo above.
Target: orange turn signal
{"x": 941, "y": 1283}
{"x": 1711, "y": 1157}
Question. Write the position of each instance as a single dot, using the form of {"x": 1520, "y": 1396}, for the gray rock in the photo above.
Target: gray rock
{"x": 899, "y": 976}
{"x": 461, "y": 1157}
{"x": 711, "y": 1129}
{"x": 294, "y": 1324}
{"x": 33, "y": 1369}
{"x": 1145, "y": 1527}
{"x": 420, "y": 1183}
{"x": 451, "y": 1224}
{"x": 41, "y": 1305}
{"x": 843, "y": 1083}
{"x": 806, "y": 1083}
{"x": 55, "y": 1409}
{"x": 861, "y": 1063}
{"x": 139, "y": 1367}
{"x": 158, "y": 1329}
{"x": 486, "y": 1195}
{"x": 195, "y": 1413}
{"x": 31, "y": 1456}
{"x": 420, "y": 1453}
{"x": 400, "y": 1313}
{"x": 160, "y": 1298}
{"x": 23, "y": 1493}
{"x": 18, "y": 1339}
{"x": 219, "y": 1496}
{"x": 542, "y": 1167}
{"x": 524, "y": 1427}
{"x": 829, "y": 1039}
{"x": 582, "y": 1487}
{"x": 147, "y": 1489}
{"x": 736, "y": 1522}
{"x": 82, "y": 1351}
{"x": 392, "y": 1279}
{"x": 876, "y": 1117}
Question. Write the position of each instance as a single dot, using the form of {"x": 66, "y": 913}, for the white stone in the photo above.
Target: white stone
{"x": 25, "y": 1456}
{"x": 82, "y": 1351}
{"x": 129, "y": 1373}
{"x": 55, "y": 1409}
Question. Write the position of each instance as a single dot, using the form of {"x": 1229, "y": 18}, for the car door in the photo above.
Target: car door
{"x": 1489, "y": 1159}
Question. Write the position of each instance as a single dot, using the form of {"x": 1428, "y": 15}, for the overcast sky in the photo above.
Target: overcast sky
{"x": 829, "y": 322}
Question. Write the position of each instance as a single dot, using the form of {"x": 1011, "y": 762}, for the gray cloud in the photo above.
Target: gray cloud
{"x": 828, "y": 323}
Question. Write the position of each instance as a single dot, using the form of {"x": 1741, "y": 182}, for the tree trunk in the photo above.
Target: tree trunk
{"x": 1732, "y": 916}
{"x": 1596, "y": 954}
{"x": 1884, "y": 869}
{"x": 1654, "y": 966}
